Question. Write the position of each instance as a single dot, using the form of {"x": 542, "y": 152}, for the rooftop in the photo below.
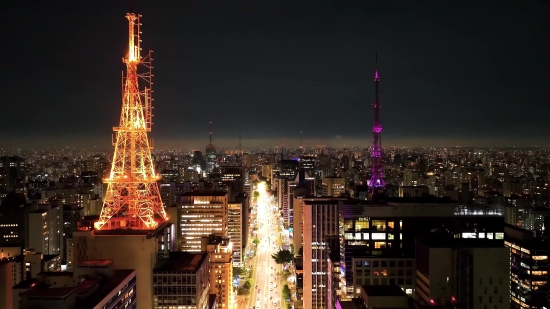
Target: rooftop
{"x": 49, "y": 257}
{"x": 38, "y": 292}
{"x": 462, "y": 242}
{"x": 95, "y": 263}
{"x": 105, "y": 287}
{"x": 182, "y": 261}
{"x": 383, "y": 290}
{"x": 205, "y": 193}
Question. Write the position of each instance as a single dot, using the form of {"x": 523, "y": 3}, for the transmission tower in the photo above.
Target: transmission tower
{"x": 132, "y": 200}
{"x": 377, "y": 170}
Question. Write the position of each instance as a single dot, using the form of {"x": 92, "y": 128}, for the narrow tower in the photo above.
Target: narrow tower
{"x": 132, "y": 200}
{"x": 210, "y": 151}
{"x": 377, "y": 171}
{"x": 301, "y": 144}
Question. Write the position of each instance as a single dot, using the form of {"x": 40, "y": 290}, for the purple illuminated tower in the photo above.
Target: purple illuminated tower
{"x": 377, "y": 171}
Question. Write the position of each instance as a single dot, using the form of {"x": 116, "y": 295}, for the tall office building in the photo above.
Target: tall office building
{"x": 211, "y": 153}
{"x": 233, "y": 177}
{"x": 12, "y": 171}
{"x": 462, "y": 273}
{"x": 380, "y": 239}
{"x": 181, "y": 281}
{"x": 234, "y": 227}
{"x": 199, "y": 214}
{"x": 122, "y": 246}
{"x": 529, "y": 270}
{"x": 220, "y": 256}
{"x": 45, "y": 230}
{"x": 322, "y": 220}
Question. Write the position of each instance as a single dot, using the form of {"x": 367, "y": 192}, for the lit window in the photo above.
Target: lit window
{"x": 378, "y": 236}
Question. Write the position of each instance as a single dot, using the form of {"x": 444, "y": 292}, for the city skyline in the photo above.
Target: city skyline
{"x": 211, "y": 66}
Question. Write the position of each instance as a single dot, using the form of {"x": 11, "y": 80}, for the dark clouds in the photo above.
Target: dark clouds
{"x": 462, "y": 71}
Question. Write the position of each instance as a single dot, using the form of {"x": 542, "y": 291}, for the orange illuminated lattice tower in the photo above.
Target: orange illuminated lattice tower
{"x": 132, "y": 200}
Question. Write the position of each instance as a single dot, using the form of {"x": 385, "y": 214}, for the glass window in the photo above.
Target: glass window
{"x": 409, "y": 264}
{"x": 361, "y": 225}
{"x": 390, "y": 236}
{"x": 357, "y": 236}
{"x": 379, "y": 245}
{"x": 391, "y": 225}
{"x": 348, "y": 236}
{"x": 481, "y": 235}
{"x": 366, "y": 236}
{"x": 489, "y": 235}
{"x": 348, "y": 225}
{"x": 380, "y": 225}
{"x": 384, "y": 264}
{"x": 375, "y": 264}
{"x": 367, "y": 263}
{"x": 499, "y": 235}
{"x": 378, "y": 236}
{"x": 400, "y": 264}
{"x": 392, "y": 263}
{"x": 358, "y": 263}
{"x": 469, "y": 235}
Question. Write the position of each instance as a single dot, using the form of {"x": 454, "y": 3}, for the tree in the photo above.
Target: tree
{"x": 248, "y": 284}
{"x": 286, "y": 292}
{"x": 238, "y": 272}
{"x": 256, "y": 241}
{"x": 300, "y": 251}
{"x": 256, "y": 194}
{"x": 283, "y": 256}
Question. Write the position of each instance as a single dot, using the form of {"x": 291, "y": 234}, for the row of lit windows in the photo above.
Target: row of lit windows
{"x": 498, "y": 235}
{"x": 373, "y": 236}
{"x": 8, "y": 225}
{"x": 364, "y": 223}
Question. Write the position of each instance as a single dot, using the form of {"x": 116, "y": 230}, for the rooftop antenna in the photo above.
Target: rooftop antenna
{"x": 210, "y": 131}
{"x": 240, "y": 145}
{"x": 301, "y": 145}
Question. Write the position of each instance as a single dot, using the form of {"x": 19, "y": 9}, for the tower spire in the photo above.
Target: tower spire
{"x": 301, "y": 145}
{"x": 377, "y": 170}
{"x": 210, "y": 132}
{"x": 240, "y": 145}
{"x": 132, "y": 199}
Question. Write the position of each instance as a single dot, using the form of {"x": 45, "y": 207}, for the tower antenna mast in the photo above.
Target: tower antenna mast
{"x": 132, "y": 199}
{"x": 377, "y": 170}
{"x": 240, "y": 145}
{"x": 210, "y": 132}
{"x": 301, "y": 145}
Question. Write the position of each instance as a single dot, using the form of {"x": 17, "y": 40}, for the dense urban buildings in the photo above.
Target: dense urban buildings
{"x": 293, "y": 226}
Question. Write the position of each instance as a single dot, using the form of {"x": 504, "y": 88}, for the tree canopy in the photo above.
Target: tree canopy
{"x": 238, "y": 272}
{"x": 286, "y": 292}
{"x": 283, "y": 256}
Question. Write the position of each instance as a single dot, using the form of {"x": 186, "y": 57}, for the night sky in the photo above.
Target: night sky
{"x": 452, "y": 72}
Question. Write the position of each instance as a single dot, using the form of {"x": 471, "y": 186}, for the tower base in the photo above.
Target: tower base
{"x": 128, "y": 249}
